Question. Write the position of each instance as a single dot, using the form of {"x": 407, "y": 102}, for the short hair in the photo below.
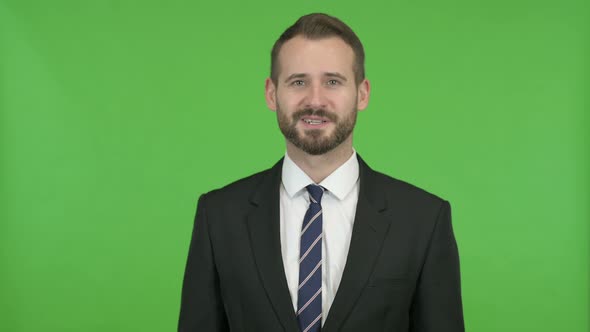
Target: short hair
{"x": 318, "y": 26}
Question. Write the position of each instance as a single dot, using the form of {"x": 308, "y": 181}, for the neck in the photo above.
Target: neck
{"x": 319, "y": 167}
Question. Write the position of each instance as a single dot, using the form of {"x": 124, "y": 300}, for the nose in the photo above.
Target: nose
{"x": 315, "y": 97}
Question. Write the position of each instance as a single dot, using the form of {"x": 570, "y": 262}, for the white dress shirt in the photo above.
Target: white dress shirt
{"x": 338, "y": 211}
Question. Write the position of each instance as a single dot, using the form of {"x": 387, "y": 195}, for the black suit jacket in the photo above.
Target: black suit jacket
{"x": 401, "y": 273}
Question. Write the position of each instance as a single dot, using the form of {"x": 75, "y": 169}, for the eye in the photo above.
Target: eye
{"x": 298, "y": 83}
{"x": 333, "y": 82}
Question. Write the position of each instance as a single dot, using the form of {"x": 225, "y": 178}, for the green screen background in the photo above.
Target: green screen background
{"x": 116, "y": 115}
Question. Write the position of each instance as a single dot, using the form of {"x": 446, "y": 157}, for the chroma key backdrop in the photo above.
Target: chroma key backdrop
{"x": 116, "y": 115}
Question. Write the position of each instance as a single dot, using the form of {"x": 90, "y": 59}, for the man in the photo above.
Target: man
{"x": 320, "y": 241}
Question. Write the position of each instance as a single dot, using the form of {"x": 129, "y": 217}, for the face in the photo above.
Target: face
{"x": 316, "y": 97}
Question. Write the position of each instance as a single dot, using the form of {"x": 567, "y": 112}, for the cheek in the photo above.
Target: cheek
{"x": 345, "y": 99}
{"x": 289, "y": 100}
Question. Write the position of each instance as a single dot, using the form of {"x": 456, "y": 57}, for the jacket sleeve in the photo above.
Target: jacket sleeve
{"x": 437, "y": 301}
{"x": 201, "y": 308}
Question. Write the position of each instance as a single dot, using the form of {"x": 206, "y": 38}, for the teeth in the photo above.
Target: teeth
{"x": 313, "y": 121}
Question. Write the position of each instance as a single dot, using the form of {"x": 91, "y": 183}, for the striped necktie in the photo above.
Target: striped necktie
{"x": 309, "y": 300}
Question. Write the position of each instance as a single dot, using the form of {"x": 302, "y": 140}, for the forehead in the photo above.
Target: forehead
{"x": 313, "y": 56}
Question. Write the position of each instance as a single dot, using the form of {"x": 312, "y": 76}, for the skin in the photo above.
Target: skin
{"x": 317, "y": 75}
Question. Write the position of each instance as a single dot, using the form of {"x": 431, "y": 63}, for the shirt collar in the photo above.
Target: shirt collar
{"x": 339, "y": 183}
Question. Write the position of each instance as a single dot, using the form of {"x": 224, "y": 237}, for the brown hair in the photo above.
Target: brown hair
{"x": 319, "y": 26}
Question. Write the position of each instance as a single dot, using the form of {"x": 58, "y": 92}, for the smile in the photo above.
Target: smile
{"x": 314, "y": 122}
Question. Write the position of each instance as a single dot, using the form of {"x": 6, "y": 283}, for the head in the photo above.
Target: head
{"x": 320, "y": 26}
{"x": 317, "y": 83}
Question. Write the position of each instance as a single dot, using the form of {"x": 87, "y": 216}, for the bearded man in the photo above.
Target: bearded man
{"x": 320, "y": 241}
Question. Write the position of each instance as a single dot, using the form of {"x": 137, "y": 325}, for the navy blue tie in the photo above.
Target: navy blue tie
{"x": 309, "y": 297}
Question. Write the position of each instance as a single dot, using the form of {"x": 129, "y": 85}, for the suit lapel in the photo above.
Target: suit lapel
{"x": 264, "y": 229}
{"x": 369, "y": 230}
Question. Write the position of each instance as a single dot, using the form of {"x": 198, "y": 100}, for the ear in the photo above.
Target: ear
{"x": 270, "y": 94}
{"x": 364, "y": 91}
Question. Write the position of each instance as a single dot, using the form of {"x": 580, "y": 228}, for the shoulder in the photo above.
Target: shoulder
{"x": 400, "y": 187}
{"x": 410, "y": 205}
{"x": 244, "y": 188}
{"x": 380, "y": 187}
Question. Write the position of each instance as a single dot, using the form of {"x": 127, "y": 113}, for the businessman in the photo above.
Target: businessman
{"x": 320, "y": 241}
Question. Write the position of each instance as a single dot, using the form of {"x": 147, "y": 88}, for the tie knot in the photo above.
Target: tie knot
{"x": 315, "y": 193}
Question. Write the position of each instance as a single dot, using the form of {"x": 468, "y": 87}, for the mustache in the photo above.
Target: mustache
{"x": 315, "y": 112}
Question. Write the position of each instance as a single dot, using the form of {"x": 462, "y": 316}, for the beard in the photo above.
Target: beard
{"x": 315, "y": 141}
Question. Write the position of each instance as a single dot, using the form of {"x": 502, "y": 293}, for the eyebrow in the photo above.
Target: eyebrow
{"x": 338, "y": 75}
{"x": 293, "y": 76}
{"x": 328, "y": 74}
